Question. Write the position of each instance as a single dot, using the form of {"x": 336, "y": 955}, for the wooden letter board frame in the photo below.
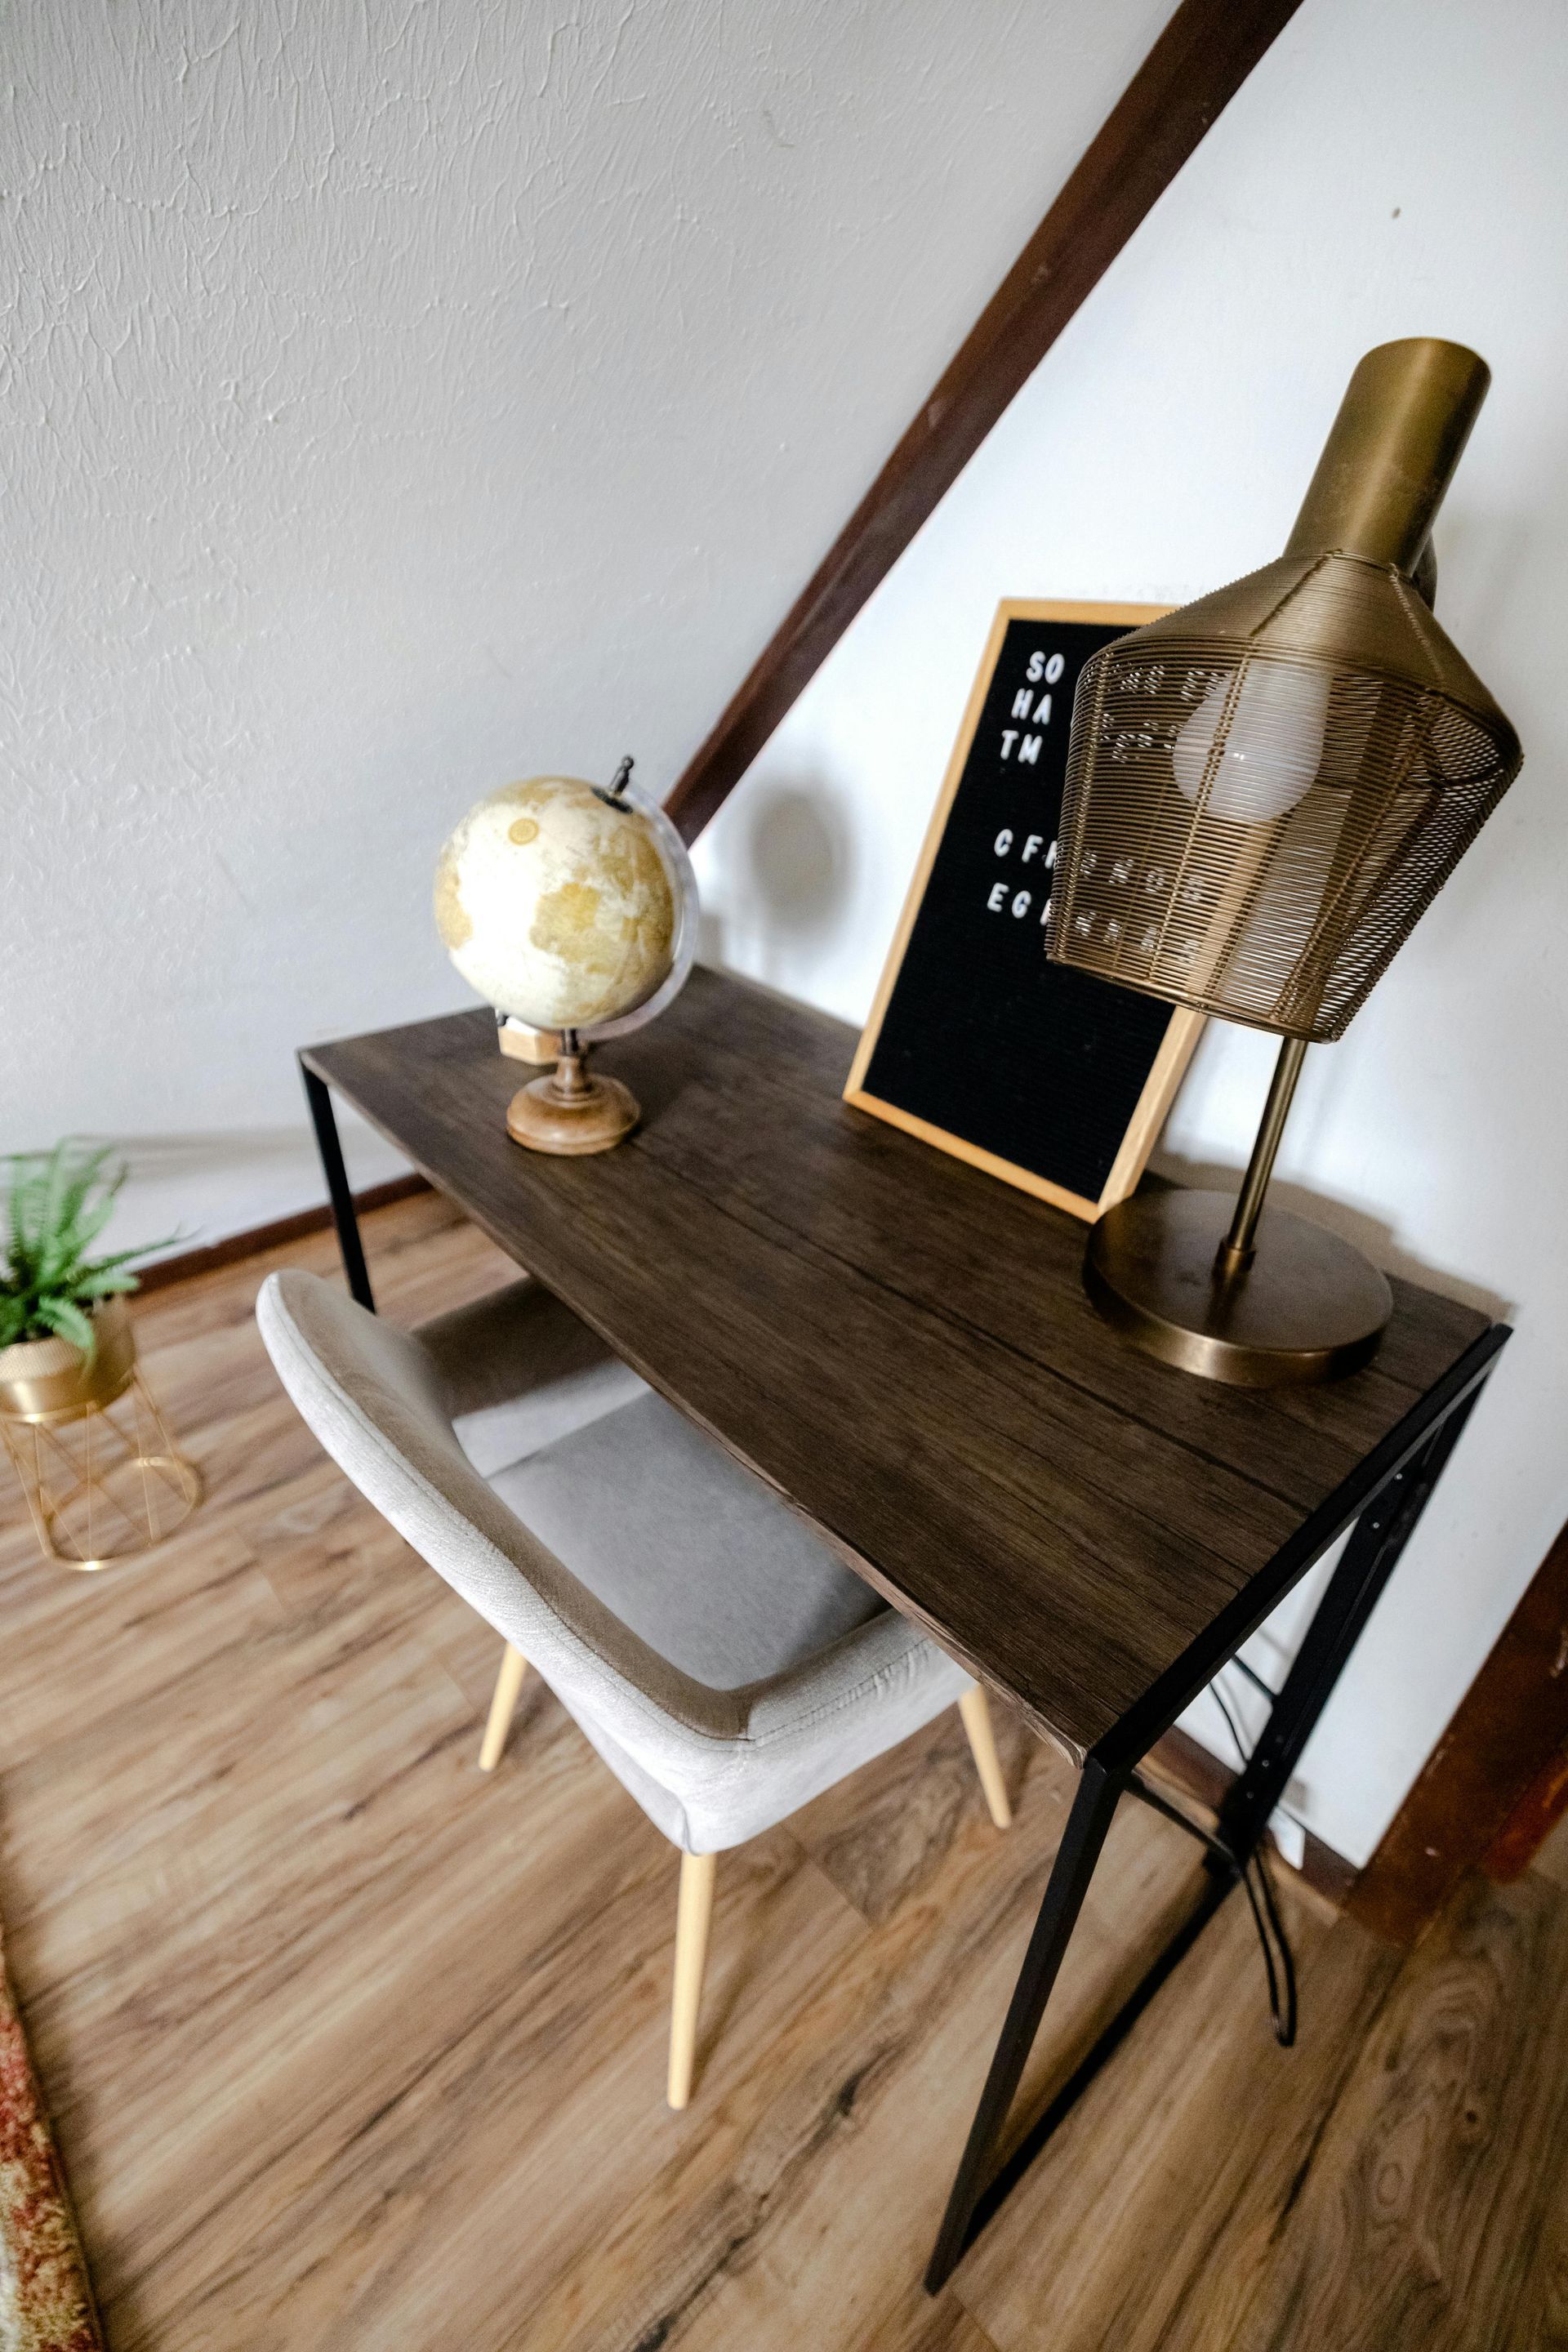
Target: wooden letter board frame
{"x": 1185, "y": 1026}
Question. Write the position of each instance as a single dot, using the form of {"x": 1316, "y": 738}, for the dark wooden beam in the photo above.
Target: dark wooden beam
{"x": 1196, "y": 65}
{"x": 1505, "y": 1739}
{"x": 1529, "y": 1824}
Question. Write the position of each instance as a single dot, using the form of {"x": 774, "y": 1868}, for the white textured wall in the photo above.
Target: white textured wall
{"x": 1387, "y": 171}
{"x": 397, "y": 398}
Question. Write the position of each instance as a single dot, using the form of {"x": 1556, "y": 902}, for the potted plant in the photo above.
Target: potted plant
{"x": 66, "y": 1342}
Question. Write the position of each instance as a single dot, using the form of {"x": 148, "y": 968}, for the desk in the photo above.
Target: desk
{"x": 902, "y": 1348}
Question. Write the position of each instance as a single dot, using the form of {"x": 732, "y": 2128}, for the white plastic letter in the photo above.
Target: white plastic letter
{"x": 1029, "y": 750}
{"x": 1009, "y": 737}
{"x": 1033, "y": 843}
{"x": 998, "y": 893}
{"x": 1003, "y": 841}
{"x": 1054, "y": 669}
{"x": 1043, "y": 711}
{"x": 1021, "y": 702}
{"x": 1036, "y": 668}
{"x": 1021, "y": 905}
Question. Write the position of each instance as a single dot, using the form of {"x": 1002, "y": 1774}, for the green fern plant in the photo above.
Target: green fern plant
{"x": 57, "y": 1203}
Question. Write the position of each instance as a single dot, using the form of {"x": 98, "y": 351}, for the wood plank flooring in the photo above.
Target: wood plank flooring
{"x": 350, "y": 2047}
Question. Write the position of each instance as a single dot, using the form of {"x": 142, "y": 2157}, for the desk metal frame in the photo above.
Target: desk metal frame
{"x": 1382, "y": 1503}
{"x": 1379, "y": 1504}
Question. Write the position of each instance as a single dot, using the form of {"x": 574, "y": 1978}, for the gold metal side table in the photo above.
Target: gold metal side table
{"x": 104, "y": 1479}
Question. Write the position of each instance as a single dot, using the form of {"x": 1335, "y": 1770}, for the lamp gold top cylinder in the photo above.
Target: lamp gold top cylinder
{"x": 1266, "y": 788}
{"x": 1392, "y": 451}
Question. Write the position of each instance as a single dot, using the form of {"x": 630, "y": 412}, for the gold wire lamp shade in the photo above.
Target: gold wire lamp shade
{"x": 1264, "y": 791}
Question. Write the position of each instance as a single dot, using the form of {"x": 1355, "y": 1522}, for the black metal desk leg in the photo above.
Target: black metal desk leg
{"x": 1092, "y": 1810}
{"x": 1367, "y": 1563}
{"x": 318, "y": 1093}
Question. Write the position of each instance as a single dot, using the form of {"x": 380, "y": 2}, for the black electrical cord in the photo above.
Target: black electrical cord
{"x": 1254, "y": 1679}
{"x": 1265, "y": 1911}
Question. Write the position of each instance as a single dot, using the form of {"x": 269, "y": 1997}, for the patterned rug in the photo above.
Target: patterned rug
{"x": 46, "y": 2303}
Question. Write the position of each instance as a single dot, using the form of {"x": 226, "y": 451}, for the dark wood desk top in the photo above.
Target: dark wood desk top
{"x": 898, "y": 1343}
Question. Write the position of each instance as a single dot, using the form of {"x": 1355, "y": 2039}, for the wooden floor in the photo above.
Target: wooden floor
{"x": 349, "y": 2047}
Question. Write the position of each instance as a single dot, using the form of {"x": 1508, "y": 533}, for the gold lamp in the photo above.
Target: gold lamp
{"x": 1266, "y": 790}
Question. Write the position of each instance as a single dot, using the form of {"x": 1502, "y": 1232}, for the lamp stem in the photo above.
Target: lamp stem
{"x": 1238, "y": 1247}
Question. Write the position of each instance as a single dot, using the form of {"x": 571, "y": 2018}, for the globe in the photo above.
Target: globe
{"x": 563, "y": 905}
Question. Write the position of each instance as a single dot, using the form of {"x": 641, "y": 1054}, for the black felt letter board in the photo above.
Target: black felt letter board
{"x": 1051, "y": 1078}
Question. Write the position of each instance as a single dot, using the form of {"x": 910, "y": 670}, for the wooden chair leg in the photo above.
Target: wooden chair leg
{"x": 976, "y": 1713}
{"x": 692, "y": 1914}
{"x": 509, "y": 1681}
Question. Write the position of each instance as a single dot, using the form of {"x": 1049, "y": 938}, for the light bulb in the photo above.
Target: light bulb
{"x": 1273, "y": 746}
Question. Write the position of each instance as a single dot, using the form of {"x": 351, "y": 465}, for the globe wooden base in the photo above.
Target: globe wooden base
{"x": 555, "y": 1115}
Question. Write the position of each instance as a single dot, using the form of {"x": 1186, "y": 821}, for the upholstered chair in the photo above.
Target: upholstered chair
{"x": 724, "y": 1663}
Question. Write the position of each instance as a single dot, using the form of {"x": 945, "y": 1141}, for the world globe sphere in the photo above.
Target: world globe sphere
{"x": 558, "y": 904}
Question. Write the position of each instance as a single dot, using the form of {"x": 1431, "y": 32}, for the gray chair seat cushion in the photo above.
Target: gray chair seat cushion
{"x": 518, "y": 1371}
{"x": 625, "y": 1564}
{"x": 692, "y": 1553}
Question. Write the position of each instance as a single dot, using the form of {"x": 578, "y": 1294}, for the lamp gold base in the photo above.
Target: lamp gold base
{"x": 1308, "y": 1307}
{"x": 555, "y": 1115}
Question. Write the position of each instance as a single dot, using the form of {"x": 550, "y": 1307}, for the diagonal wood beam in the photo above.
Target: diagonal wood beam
{"x": 1508, "y": 1731}
{"x": 1198, "y": 63}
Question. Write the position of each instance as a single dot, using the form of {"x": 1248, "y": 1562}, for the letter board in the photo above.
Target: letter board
{"x": 1050, "y": 1078}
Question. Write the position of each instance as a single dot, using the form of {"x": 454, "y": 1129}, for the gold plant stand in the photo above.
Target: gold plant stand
{"x": 104, "y": 1479}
